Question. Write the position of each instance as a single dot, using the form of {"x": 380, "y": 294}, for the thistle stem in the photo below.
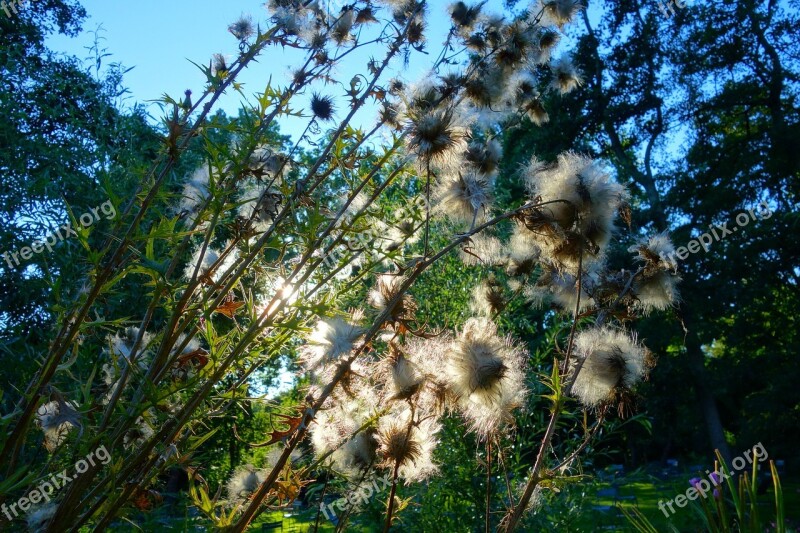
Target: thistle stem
{"x": 488, "y": 484}
{"x": 390, "y": 503}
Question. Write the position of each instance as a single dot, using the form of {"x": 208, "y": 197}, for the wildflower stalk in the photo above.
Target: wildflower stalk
{"x": 513, "y": 517}
{"x": 124, "y": 425}
{"x": 259, "y": 324}
{"x": 310, "y": 411}
{"x": 488, "y": 484}
{"x": 72, "y": 322}
{"x": 390, "y": 502}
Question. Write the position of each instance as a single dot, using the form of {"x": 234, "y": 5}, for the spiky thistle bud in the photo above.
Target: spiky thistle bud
{"x": 322, "y": 107}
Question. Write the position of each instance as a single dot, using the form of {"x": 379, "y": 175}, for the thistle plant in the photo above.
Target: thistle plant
{"x": 265, "y": 249}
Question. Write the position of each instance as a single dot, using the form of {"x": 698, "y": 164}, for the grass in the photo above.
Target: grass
{"x": 649, "y": 491}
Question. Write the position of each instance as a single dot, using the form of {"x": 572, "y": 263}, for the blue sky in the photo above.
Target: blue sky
{"x": 160, "y": 38}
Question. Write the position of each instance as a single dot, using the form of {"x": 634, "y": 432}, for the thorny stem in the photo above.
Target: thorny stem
{"x": 252, "y": 333}
{"x": 72, "y": 323}
{"x": 488, "y": 484}
{"x": 428, "y": 207}
{"x": 589, "y": 436}
{"x": 501, "y": 456}
{"x": 390, "y": 503}
{"x": 310, "y": 412}
{"x": 322, "y": 501}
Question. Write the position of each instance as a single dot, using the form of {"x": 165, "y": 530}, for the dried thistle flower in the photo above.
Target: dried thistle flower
{"x": 488, "y": 298}
{"x": 517, "y": 42}
{"x": 56, "y": 420}
{"x": 484, "y": 157}
{"x": 612, "y": 360}
{"x": 119, "y": 353}
{"x": 243, "y": 483}
{"x": 463, "y": 16}
{"x": 416, "y": 32}
{"x": 560, "y": 12}
{"x": 561, "y": 288}
{"x": 242, "y": 29}
{"x": 486, "y": 373}
{"x": 386, "y": 289}
{"x": 359, "y": 453}
{"x": 331, "y": 339}
{"x": 210, "y": 264}
{"x": 403, "y": 378}
{"x": 219, "y": 65}
{"x": 657, "y": 286}
{"x": 536, "y": 112}
{"x": 195, "y": 193}
{"x": 260, "y": 206}
{"x": 408, "y": 443}
{"x": 581, "y": 205}
{"x": 483, "y": 249}
{"x": 465, "y": 197}
{"x": 340, "y": 32}
{"x": 435, "y": 135}
{"x": 566, "y": 77}
{"x": 390, "y": 115}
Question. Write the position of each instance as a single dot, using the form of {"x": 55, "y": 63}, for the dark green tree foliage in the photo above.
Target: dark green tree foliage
{"x": 698, "y": 115}
{"x": 64, "y": 145}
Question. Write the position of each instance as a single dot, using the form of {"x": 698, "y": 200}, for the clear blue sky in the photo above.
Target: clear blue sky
{"x": 159, "y": 38}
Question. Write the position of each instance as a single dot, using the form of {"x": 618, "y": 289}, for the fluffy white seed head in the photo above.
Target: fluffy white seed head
{"x": 581, "y": 204}
{"x": 657, "y": 287}
{"x": 331, "y": 339}
{"x": 465, "y": 197}
{"x": 56, "y": 420}
{"x": 486, "y": 373}
{"x": 482, "y": 249}
{"x": 409, "y": 443}
{"x": 195, "y": 193}
{"x": 561, "y": 288}
{"x": 243, "y": 483}
{"x": 210, "y": 265}
{"x": 559, "y": 12}
{"x": 566, "y": 77}
{"x": 488, "y": 298}
{"x": 612, "y": 360}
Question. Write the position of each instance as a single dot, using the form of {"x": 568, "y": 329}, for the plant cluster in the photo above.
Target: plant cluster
{"x": 237, "y": 273}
